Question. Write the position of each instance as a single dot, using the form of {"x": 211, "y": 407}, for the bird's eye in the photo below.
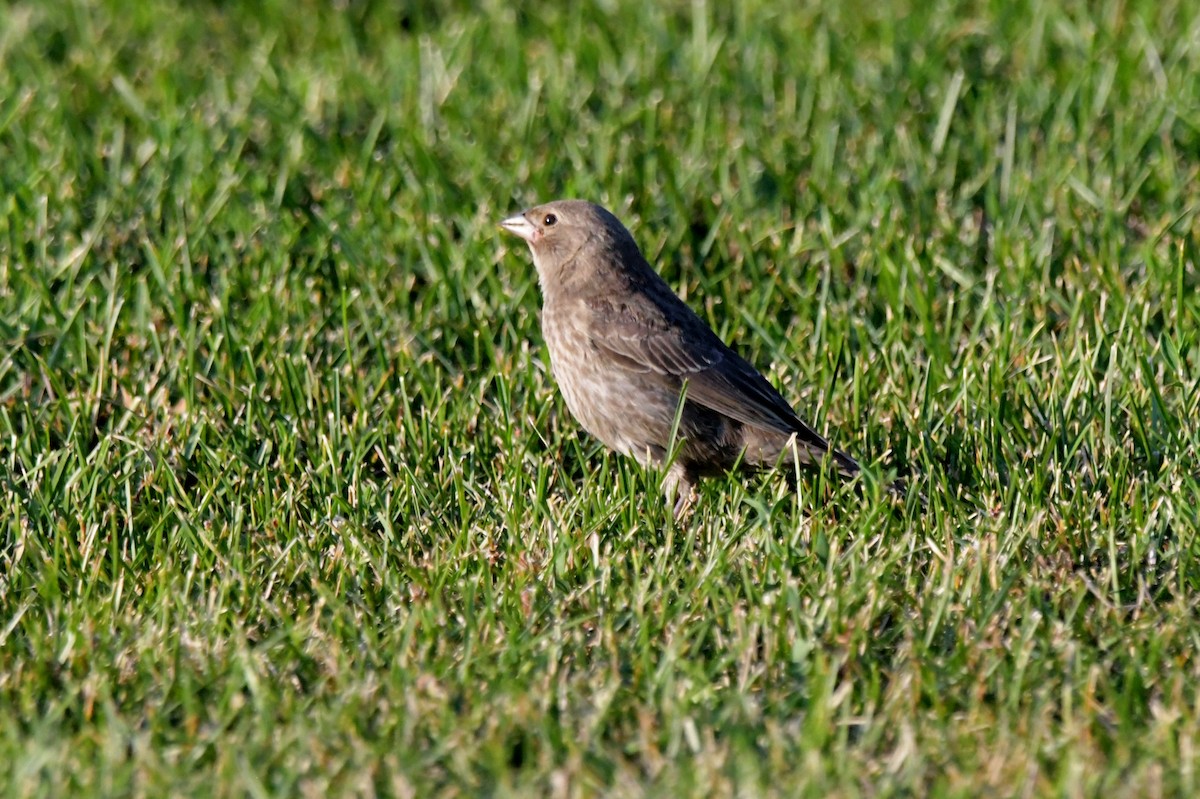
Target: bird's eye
{"x": 550, "y": 220}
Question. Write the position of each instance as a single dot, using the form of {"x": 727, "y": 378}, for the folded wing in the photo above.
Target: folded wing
{"x": 639, "y": 339}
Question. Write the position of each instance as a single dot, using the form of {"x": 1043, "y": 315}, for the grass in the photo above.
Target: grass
{"x": 289, "y": 504}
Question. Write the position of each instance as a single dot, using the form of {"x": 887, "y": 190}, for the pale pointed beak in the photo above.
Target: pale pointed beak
{"x": 522, "y": 227}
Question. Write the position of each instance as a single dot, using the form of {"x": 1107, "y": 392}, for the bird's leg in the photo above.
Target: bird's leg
{"x": 679, "y": 488}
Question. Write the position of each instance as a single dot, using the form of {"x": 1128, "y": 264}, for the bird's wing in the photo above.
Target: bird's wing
{"x": 639, "y": 339}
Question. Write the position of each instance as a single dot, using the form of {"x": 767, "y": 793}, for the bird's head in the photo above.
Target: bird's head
{"x": 573, "y": 241}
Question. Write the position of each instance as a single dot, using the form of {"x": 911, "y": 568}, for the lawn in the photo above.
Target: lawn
{"x": 290, "y": 504}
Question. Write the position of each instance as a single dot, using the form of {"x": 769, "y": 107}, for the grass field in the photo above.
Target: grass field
{"x": 290, "y": 505}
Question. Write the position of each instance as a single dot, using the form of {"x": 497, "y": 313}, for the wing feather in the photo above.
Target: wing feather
{"x": 639, "y": 339}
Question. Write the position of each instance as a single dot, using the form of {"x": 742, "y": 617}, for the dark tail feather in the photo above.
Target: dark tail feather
{"x": 848, "y": 467}
{"x": 899, "y": 489}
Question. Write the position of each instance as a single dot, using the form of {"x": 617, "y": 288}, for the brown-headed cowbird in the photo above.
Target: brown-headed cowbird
{"x": 624, "y": 349}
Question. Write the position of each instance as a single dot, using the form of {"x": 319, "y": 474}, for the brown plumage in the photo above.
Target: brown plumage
{"x": 623, "y": 347}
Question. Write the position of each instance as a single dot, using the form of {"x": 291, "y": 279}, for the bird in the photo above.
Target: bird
{"x": 641, "y": 371}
